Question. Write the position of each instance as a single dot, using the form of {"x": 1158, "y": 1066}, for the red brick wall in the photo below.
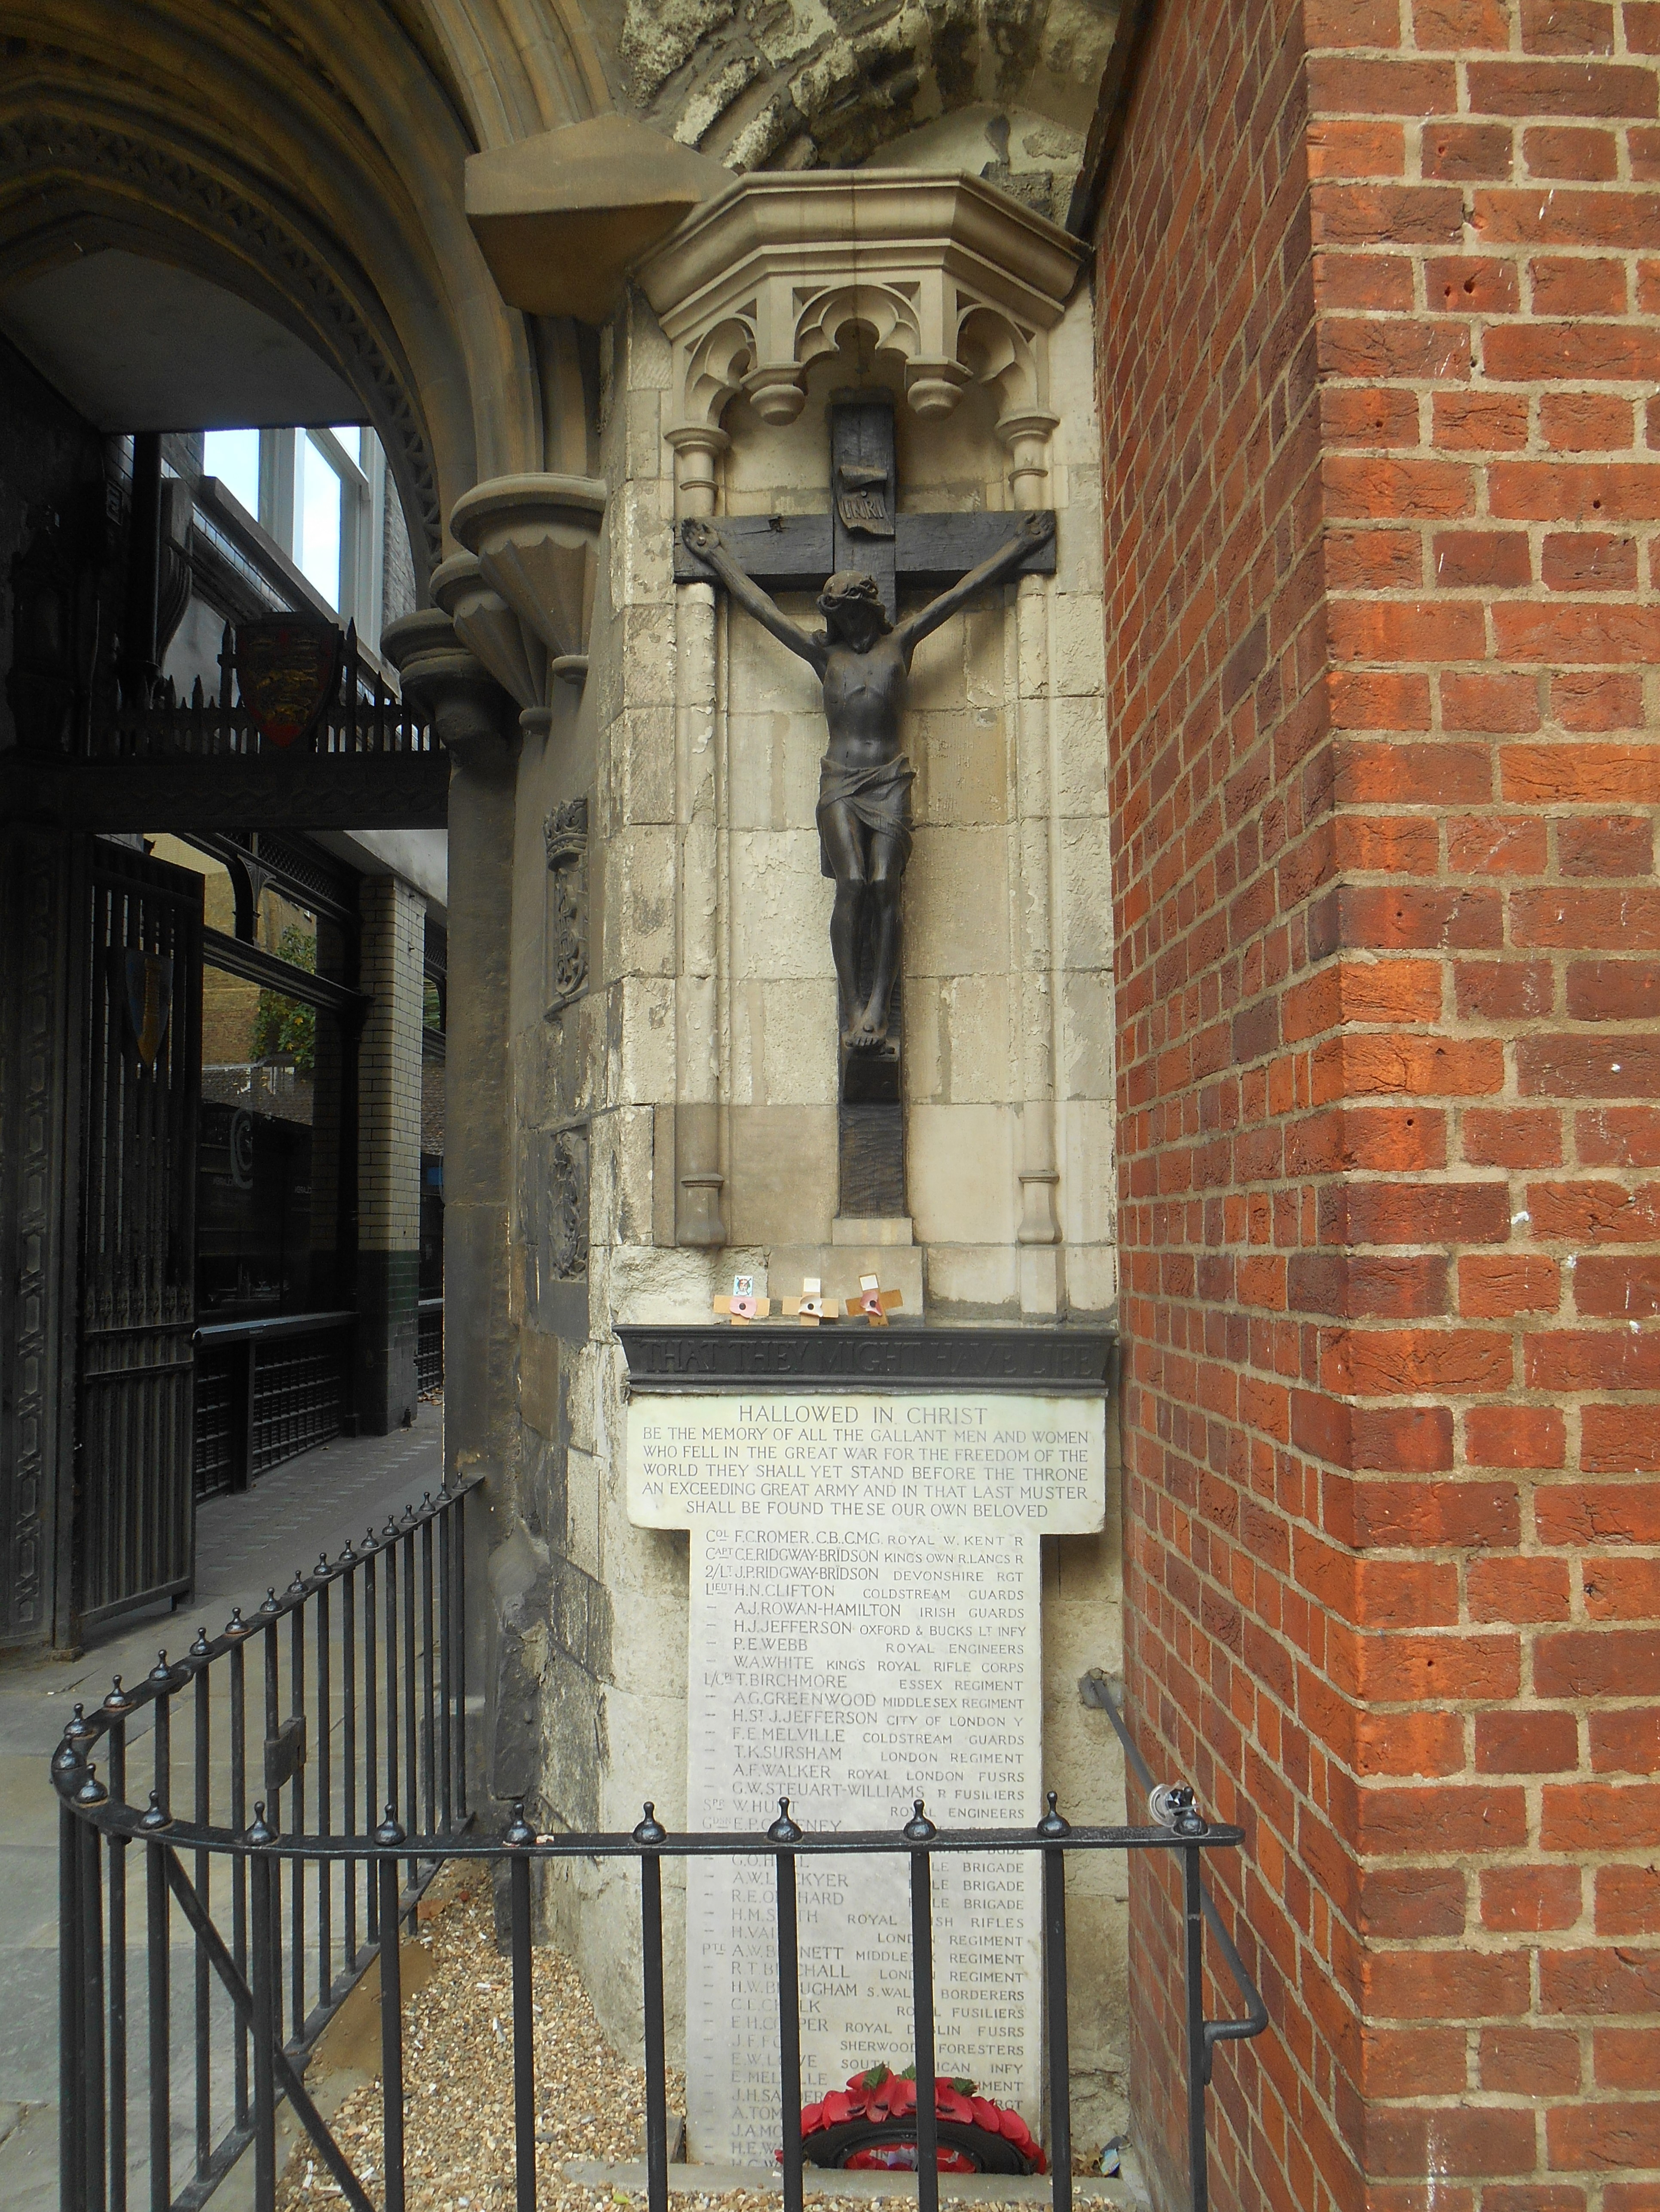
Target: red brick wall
{"x": 1379, "y": 351}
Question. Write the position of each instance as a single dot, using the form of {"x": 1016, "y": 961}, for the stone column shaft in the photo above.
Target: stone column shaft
{"x": 1039, "y": 1231}
{"x": 698, "y": 1179}
{"x": 478, "y": 1344}
{"x": 389, "y": 1153}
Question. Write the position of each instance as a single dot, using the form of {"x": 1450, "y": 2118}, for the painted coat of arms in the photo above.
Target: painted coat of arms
{"x": 287, "y": 666}
{"x": 145, "y": 985}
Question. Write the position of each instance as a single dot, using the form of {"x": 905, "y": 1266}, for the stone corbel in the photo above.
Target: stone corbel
{"x": 444, "y": 681}
{"x": 536, "y": 538}
{"x": 490, "y": 629}
{"x": 1027, "y": 436}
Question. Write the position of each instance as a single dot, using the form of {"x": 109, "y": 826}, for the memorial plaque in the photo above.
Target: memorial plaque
{"x": 864, "y": 1631}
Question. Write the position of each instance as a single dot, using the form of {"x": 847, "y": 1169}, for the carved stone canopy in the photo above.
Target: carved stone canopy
{"x": 957, "y": 279}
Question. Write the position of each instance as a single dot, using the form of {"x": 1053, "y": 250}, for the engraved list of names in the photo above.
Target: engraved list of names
{"x": 865, "y": 1608}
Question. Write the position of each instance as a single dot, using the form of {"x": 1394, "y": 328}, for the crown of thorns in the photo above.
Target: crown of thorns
{"x": 851, "y": 584}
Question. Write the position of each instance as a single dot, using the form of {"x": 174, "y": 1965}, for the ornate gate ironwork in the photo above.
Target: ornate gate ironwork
{"x": 142, "y": 1047}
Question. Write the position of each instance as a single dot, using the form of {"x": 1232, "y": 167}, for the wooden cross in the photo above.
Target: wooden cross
{"x": 863, "y": 528}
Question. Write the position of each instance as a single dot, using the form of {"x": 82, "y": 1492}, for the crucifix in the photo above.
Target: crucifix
{"x": 859, "y": 552}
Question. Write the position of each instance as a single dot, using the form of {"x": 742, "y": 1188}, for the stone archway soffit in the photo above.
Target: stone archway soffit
{"x": 52, "y": 164}
{"x": 526, "y": 65}
{"x": 224, "y": 78}
{"x": 282, "y": 138}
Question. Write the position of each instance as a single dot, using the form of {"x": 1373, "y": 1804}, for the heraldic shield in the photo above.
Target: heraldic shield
{"x": 144, "y": 983}
{"x": 287, "y": 666}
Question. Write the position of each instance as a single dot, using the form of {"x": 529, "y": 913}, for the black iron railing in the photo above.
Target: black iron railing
{"x": 361, "y": 715}
{"x": 343, "y": 1694}
{"x": 267, "y": 1390}
{"x": 276, "y": 1998}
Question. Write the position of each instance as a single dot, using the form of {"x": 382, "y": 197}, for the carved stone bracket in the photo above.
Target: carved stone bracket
{"x": 491, "y": 630}
{"x": 444, "y": 680}
{"x": 566, "y": 832}
{"x": 537, "y": 539}
{"x": 957, "y": 279}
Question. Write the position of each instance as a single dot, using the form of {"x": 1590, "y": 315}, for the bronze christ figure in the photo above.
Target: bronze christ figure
{"x": 863, "y": 662}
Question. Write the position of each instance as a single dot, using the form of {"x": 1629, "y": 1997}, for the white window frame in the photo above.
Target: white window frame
{"x": 363, "y": 515}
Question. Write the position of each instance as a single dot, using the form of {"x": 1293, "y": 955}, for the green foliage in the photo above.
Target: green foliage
{"x": 283, "y": 1028}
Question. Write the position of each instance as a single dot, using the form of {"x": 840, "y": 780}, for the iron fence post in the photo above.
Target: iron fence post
{"x": 1193, "y": 1921}
{"x": 518, "y": 1835}
{"x": 71, "y": 2027}
{"x": 920, "y": 1829}
{"x": 1054, "y": 1996}
{"x": 388, "y": 1834}
{"x": 267, "y": 1996}
{"x": 785, "y": 1831}
{"x": 651, "y": 1831}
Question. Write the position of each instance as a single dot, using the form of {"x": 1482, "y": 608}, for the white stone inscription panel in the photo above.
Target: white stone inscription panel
{"x": 865, "y": 1610}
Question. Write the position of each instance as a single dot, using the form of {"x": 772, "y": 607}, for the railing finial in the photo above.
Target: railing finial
{"x": 784, "y": 1830}
{"x": 390, "y": 1831}
{"x": 261, "y": 1831}
{"x": 919, "y": 1828}
{"x": 651, "y": 1829}
{"x": 518, "y": 1830}
{"x": 1052, "y": 1823}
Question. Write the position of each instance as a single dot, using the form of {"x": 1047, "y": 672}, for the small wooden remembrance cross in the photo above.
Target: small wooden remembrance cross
{"x": 864, "y": 529}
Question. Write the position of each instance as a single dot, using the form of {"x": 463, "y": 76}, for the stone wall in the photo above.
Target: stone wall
{"x": 1003, "y": 88}
{"x": 1378, "y": 355}
{"x": 591, "y": 1649}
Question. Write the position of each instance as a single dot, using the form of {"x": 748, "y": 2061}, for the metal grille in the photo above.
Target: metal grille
{"x": 430, "y": 1347}
{"x": 297, "y": 1396}
{"x": 143, "y": 1054}
{"x": 216, "y": 1422}
{"x": 267, "y": 1391}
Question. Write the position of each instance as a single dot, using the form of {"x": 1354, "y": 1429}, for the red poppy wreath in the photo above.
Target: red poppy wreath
{"x": 872, "y": 2124}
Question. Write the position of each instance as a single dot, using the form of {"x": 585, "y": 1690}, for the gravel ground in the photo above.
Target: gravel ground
{"x": 457, "y": 2081}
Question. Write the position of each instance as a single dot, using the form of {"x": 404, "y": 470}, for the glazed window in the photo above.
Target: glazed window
{"x": 320, "y": 493}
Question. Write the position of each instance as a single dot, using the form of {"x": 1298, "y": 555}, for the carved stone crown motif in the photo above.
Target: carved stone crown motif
{"x": 566, "y": 831}
{"x": 566, "y": 834}
{"x": 958, "y": 280}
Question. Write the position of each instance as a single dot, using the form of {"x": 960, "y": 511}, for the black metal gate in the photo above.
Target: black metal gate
{"x": 134, "y": 1524}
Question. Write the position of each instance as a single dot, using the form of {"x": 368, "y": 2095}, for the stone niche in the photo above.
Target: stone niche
{"x": 675, "y": 1113}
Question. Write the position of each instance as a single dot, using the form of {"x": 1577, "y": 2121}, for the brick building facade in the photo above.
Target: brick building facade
{"x": 1377, "y": 300}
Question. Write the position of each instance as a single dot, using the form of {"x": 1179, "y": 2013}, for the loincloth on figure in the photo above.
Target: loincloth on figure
{"x": 879, "y": 797}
